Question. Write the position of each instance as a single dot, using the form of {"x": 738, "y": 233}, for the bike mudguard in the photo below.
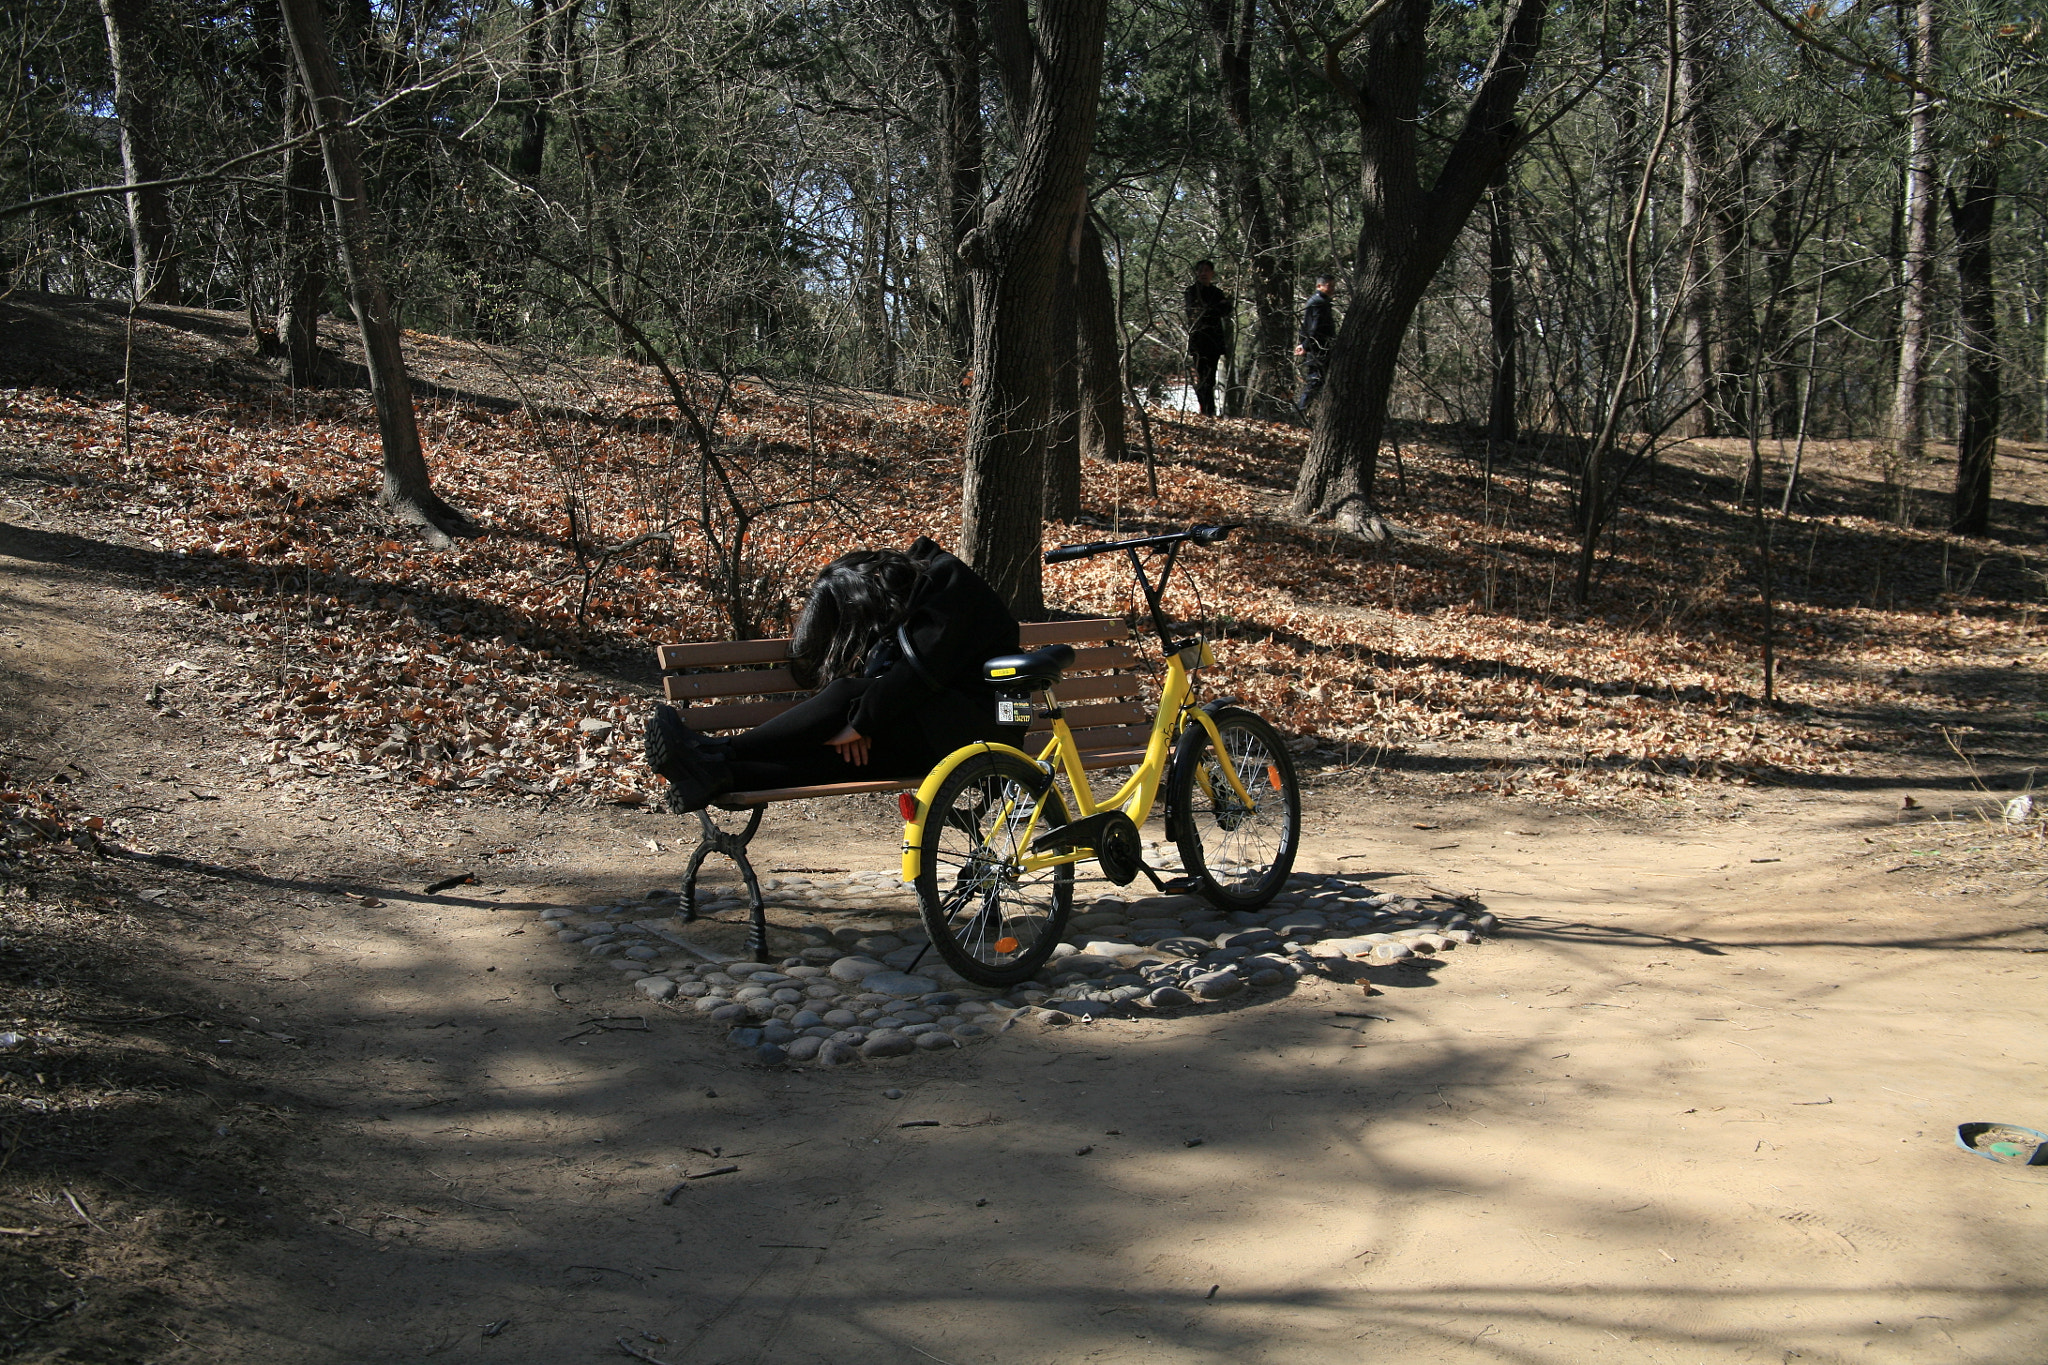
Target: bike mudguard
{"x": 913, "y": 824}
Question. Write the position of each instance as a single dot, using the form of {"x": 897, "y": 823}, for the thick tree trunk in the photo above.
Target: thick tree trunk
{"x": 408, "y": 490}
{"x": 1102, "y": 381}
{"x": 1051, "y": 74}
{"x": 1977, "y": 332}
{"x": 1405, "y": 232}
{"x": 1502, "y": 424}
{"x": 1908, "y": 417}
{"x": 153, "y": 246}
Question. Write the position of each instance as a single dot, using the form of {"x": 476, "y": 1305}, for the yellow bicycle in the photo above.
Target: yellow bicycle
{"x": 990, "y": 841}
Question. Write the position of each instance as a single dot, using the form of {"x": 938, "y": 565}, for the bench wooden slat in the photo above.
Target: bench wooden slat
{"x": 758, "y": 683}
{"x": 726, "y": 653}
{"x": 1108, "y": 713}
{"x": 1104, "y": 758}
{"x": 1112, "y": 737}
{"x": 737, "y": 715}
{"x": 1036, "y": 633}
{"x": 1113, "y": 758}
{"x": 721, "y": 653}
{"x": 1104, "y": 657}
{"x": 768, "y": 794}
{"x": 1106, "y": 685}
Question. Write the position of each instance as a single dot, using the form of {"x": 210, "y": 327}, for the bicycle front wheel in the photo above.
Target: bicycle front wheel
{"x": 1238, "y": 854}
{"x": 991, "y": 920}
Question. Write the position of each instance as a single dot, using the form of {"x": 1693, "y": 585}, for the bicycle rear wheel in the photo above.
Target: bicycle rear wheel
{"x": 1239, "y": 855}
{"x": 991, "y": 921}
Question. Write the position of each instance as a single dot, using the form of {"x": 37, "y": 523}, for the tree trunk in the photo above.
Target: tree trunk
{"x": 961, "y": 76}
{"x": 408, "y": 490}
{"x": 1502, "y": 425}
{"x": 305, "y": 248}
{"x": 1051, "y": 74}
{"x": 1062, "y": 474}
{"x": 1773, "y": 346}
{"x": 1102, "y": 384}
{"x": 136, "y": 86}
{"x": 1977, "y": 333}
{"x": 1405, "y": 232}
{"x": 1696, "y": 292}
{"x": 1908, "y": 416}
{"x": 1232, "y": 27}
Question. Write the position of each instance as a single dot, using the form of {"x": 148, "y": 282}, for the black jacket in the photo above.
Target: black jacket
{"x": 928, "y": 677}
{"x": 1318, "y": 323}
{"x": 1208, "y": 310}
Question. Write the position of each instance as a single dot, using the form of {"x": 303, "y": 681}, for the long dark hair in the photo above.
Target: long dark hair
{"x": 855, "y": 602}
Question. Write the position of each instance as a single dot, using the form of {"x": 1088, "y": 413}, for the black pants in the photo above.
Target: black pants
{"x": 1312, "y": 362}
{"x": 1205, "y": 380}
{"x": 790, "y": 750}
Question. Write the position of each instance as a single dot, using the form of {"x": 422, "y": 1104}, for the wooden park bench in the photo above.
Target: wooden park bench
{"x": 735, "y": 685}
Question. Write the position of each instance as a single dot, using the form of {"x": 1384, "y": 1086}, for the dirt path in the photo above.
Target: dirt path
{"x": 1696, "y": 1104}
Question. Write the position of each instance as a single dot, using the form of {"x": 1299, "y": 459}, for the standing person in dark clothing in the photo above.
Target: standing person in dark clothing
{"x": 1312, "y": 343}
{"x": 894, "y": 641}
{"x": 1208, "y": 310}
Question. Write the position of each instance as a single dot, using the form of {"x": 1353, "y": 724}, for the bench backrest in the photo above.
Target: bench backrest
{"x": 734, "y": 685}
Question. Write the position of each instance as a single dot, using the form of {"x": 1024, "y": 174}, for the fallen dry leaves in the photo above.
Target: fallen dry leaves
{"x": 518, "y": 664}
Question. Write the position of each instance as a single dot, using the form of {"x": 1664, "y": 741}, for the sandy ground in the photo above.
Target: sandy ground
{"x": 1696, "y": 1103}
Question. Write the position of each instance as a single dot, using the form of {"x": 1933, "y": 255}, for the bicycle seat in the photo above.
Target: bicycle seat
{"x": 1040, "y": 668}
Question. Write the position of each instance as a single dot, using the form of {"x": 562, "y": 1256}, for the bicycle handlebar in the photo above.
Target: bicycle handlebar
{"x": 1200, "y": 535}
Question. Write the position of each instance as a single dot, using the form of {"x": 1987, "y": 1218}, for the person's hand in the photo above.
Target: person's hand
{"x": 1301, "y": 350}
{"x": 852, "y": 746}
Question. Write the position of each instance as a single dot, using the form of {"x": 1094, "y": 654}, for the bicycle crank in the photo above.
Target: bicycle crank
{"x": 1118, "y": 849}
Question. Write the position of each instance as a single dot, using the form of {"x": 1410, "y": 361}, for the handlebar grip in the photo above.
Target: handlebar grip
{"x": 1067, "y": 552}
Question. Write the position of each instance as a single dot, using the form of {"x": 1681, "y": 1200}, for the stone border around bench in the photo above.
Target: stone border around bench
{"x": 850, "y": 995}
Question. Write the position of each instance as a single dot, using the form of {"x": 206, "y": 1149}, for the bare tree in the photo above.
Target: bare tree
{"x": 1406, "y": 229}
{"x": 408, "y": 489}
{"x": 136, "y": 84}
{"x": 1908, "y": 414}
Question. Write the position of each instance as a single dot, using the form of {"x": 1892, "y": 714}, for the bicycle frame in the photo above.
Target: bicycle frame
{"x": 1062, "y": 756}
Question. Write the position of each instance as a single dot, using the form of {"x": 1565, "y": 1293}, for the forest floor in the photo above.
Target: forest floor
{"x": 269, "y": 1101}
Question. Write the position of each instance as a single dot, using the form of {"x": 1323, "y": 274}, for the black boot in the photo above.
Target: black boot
{"x": 693, "y": 763}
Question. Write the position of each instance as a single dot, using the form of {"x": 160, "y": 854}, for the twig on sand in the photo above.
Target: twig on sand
{"x": 466, "y": 879}
{"x": 79, "y": 1209}
{"x": 923, "y": 1352}
{"x": 634, "y": 1351}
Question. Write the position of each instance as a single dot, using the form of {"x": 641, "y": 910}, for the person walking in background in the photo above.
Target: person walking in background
{"x": 1312, "y": 343}
{"x": 1208, "y": 310}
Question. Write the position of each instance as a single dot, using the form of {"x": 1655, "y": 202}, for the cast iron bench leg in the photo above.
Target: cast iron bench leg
{"x": 733, "y": 846}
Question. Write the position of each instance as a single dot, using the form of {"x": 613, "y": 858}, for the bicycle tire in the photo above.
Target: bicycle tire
{"x": 990, "y": 923}
{"x": 1238, "y": 858}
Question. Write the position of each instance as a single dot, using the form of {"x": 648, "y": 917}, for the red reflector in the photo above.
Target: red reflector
{"x": 907, "y": 803}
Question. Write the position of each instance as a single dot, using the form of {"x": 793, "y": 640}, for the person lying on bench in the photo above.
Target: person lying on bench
{"x": 894, "y": 641}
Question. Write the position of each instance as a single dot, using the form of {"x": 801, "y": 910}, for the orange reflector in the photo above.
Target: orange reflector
{"x": 907, "y": 803}
{"x": 1273, "y": 775}
{"x": 1006, "y": 945}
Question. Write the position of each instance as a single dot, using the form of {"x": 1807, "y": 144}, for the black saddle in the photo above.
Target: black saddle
{"x": 1031, "y": 672}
